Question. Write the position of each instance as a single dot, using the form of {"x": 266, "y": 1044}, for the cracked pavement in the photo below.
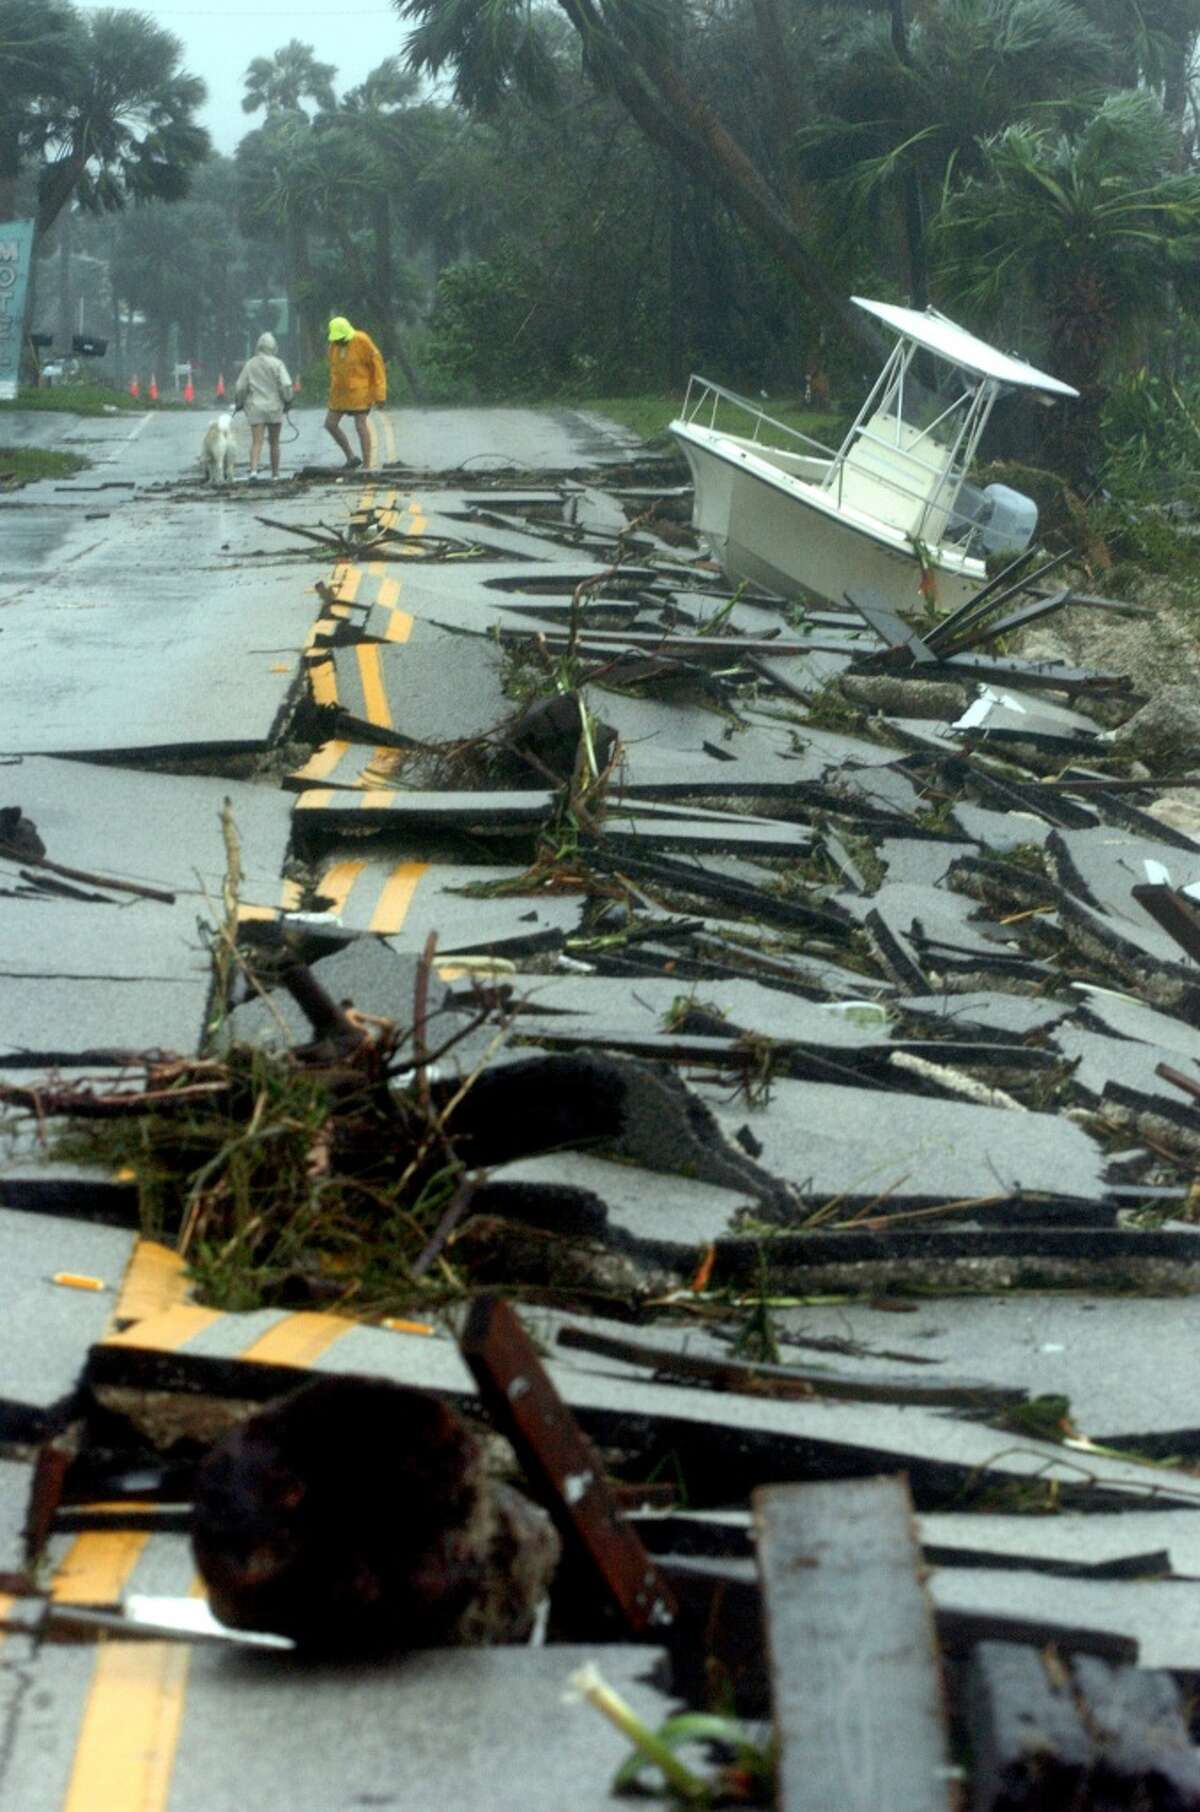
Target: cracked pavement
{"x": 832, "y": 1006}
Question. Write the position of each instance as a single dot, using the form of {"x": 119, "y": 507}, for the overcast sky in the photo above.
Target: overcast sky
{"x": 218, "y": 42}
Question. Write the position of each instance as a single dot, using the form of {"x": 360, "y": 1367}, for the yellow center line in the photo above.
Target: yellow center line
{"x": 417, "y": 523}
{"x": 322, "y": 678}
{"x": 399, "y": 628}
{"x": 167, "y": 1332}
{"x": 394, "y": 901}
{"x": 348, "y": 585}
{"x": 335, "y": 886}
{"x": 381, "y": 768}
{"x": 389, "y": 593}
{"x": 322, "y": 762}
{"x": 315, "y": 798}
{"x": 155, "y": 1281}
{"x": 125, "y": 1754}
{"x": 298, "y": 1339}
{"x": 375, "y": 698}
{"x": 96, "y": 1566}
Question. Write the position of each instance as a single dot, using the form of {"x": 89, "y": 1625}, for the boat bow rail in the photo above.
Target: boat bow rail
{"x": 891, "y": 510}
{"x": 892, "y": 469}
{"x": 702, "y": 408}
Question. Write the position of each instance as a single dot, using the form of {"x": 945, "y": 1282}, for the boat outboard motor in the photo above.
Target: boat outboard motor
{"x": 1011, "y": 521}
{"x": 994, "y": 520}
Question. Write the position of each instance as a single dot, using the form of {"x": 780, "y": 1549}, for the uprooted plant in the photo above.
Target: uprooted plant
{"x": 322, "y": 1172}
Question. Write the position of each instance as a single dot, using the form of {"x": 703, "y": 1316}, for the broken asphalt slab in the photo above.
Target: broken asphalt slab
{"x": 158, "y": 829}
{"x": 1051, "y": 1344}
{"x": 172, "y": 1372}
{"x": 215, "y": 1729}
{"x": 47, "y": 1323}
{"x": 652, "y": 1207}
{"x": 151, "y": 661}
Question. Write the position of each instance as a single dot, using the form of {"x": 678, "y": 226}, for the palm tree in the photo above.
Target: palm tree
{"x": 372, "y": 148}
{"x": 642, "y": 52}
{"x": 284, "y": 178}
{"x": 122, "y": 125}
{"x": 1092, "y": 225}
{"x": 281, "y": 184}
{"x": 1156, "y": 45}
{"x": 282, "y": 82}
{"x": 180, "y": 264}
{"x": 905, "y": 106}
{"x": 37, "y": 50}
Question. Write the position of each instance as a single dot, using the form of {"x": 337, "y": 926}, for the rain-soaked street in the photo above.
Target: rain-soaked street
{"x": 435, "y": 888}
{"x": 142, "y": 613}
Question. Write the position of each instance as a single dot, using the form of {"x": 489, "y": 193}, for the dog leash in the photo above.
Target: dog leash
{"x": 239, "y": 409}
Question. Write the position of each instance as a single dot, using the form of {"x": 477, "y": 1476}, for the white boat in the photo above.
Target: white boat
{"x": 891, "y": 511}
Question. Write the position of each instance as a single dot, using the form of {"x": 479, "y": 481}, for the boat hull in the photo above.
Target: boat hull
{"x": 769, "y": 523}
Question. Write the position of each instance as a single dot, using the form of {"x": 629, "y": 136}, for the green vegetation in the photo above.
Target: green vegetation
{"x": 281, "y": 1182}
{"x": 589, "y": 211}
{"x": 73, "y": 399}
{"x": 649, "y": 415}
{"x": 96, "y": 103}
{"x": 22, "y": 465}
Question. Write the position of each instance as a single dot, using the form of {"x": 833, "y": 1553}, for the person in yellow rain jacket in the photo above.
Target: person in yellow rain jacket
{"x": 357, "y": 382}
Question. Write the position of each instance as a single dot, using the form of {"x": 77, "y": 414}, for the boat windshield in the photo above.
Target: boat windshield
{"x": 908, "y": 452}
{"x": 935, "y": 413}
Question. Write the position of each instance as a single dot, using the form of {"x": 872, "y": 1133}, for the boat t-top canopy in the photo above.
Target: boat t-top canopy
{"x": 932, "y": 330}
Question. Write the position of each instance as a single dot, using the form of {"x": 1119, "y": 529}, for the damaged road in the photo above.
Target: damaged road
{"x": 455, "y": 892}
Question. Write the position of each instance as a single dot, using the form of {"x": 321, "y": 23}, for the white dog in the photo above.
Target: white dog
{"x": 220, "y": 454}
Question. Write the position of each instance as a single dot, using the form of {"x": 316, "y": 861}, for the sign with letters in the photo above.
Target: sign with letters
{"x": 16, "y": 251}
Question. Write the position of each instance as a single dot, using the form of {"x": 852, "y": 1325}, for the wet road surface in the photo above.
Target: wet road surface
{"x": 141, "y": 610}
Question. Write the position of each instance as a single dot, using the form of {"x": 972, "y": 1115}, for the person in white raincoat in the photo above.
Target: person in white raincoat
{"x": 264, "y": 391}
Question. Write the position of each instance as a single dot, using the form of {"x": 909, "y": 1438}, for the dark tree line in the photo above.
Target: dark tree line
{"x": 606, "y": 193}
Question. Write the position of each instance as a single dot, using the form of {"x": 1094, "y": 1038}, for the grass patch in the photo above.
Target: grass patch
{"x": 649, "y": 416}
{"x": 22, "y": 465}
{"x": 74, "y": 399}
{"x": 283, "y": 1183}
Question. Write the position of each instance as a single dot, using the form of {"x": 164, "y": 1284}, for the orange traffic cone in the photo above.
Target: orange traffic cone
{"x": 220, "y": 385}
{"x": 135, "y": 389}
{"x": 296, "y": 385}
{"x": 189, "y": 393}
{"x": 152, "y": 392}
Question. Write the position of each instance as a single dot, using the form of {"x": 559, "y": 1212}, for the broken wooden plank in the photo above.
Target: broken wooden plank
{"x": 562, "y": 1465}
{"x": 897, "y": 636}
{"x": 1046, "y": 606}
{"x": 1175, "y": 911}
{"x": 859, "y": 1716}
{"x": 725, "y": 650}
{"x": 961, "y": 1630}
{"x": 1015, "y": 579}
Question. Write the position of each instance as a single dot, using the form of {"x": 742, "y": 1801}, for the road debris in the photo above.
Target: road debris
{"x": 711, "y": 976}
{"x": 355, "y": 1517}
